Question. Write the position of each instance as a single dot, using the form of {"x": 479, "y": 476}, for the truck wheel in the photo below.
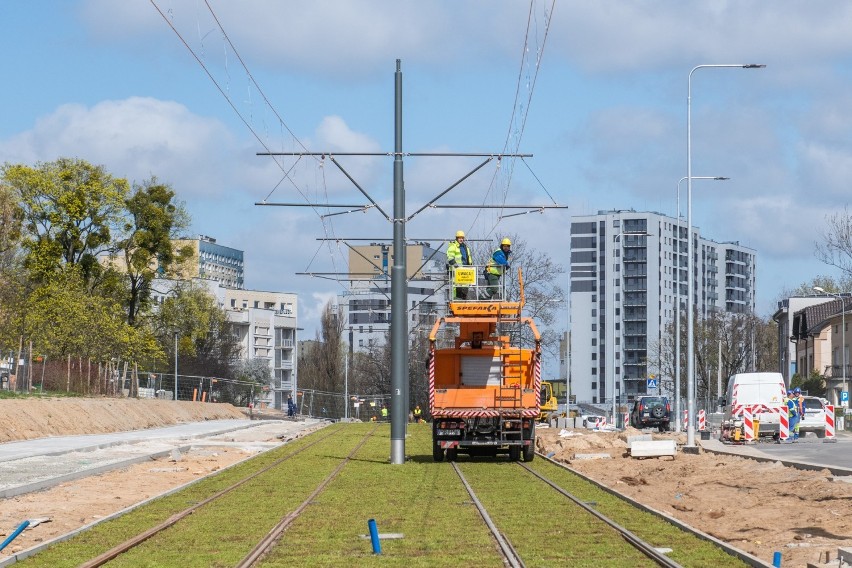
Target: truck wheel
{"x": 529, "y": 451}
{"x": 820, "y": 433}
{"x": 514, "y": 453}
{"x": 437, "y": 452}
{"x": 452, "y": 454}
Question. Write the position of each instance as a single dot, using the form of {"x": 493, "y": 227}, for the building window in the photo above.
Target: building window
{"x": 594, "y": 386}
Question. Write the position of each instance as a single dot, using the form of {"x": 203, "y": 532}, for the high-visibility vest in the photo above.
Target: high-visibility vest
{"x": 459, "y": 252}
{"x": 384, "y": 412}
{"x": 498, "y": 260}
{"x": 417, "y": 412}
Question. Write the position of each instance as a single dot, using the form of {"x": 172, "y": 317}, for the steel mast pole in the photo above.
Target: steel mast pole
{"x": 399, "y": 292}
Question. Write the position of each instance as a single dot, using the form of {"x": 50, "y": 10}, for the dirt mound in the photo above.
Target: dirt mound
{"x": 38, "y": 418}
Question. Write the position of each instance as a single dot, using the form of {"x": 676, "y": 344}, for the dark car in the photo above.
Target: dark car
{"x": 651, "y": 412}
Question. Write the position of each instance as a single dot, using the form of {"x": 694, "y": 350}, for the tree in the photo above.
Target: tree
{"x": 206, "y": 345}
{"x": 145, "y": 246}
{"x": 70, "y": 209}
{"x": 748, "y": 344}
{"x": 544, "y": 291}
{"x": 836, "y": 248}
{"x": 321, "y": 363}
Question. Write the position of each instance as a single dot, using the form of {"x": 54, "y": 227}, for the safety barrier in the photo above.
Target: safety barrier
{"x": 829, "y": 423}
{"x": 685, "y": 419}
{"x": 702, "y": 420}
{"x": 783, "y": 423}
{"x": 748, "y": 425}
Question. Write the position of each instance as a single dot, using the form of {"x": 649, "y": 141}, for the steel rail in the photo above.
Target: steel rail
{"x": 272, "y": 537}
{"x": 506, "y": 549}
{"x": 131, "y": 543}
{"x": 746, "y": 557}
{"x": 644, "y": 547}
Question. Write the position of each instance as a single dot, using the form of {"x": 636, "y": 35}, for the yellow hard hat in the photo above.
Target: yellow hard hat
{"x": 459, "y": 234}
{"x": 505, "y": 242}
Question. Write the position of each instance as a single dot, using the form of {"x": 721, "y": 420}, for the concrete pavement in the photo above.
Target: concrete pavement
{"x": 33, "y": 465}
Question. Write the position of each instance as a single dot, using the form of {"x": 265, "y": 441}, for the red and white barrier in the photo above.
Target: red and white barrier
{"x": 783, "y": 423}
{"x": 702, "y": 420}
{"x": 829, "y": 422}
{"x": 626, "y": 422}
{"x": 748, "y": 425}
{"x": 685, "y": 419}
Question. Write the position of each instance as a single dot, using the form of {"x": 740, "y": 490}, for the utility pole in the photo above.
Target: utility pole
{"x": 399, "y": 276}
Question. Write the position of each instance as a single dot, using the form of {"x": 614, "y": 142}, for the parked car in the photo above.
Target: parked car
{"x": 593, "y": 422}
{"x": 762, "y": 393}
{"x": 814, "y": 417}
{"x": 651, "y": 412}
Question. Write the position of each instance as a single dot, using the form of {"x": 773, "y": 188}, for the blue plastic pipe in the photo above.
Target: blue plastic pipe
{"x": 374, "y": 536}
{"x": 15, "y": 534}
{"x": 776, "y": 560}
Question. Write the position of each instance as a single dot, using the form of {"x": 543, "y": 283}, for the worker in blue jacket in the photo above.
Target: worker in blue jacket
{"x": 498, "y": 262}
{"x": 793, "y": 413}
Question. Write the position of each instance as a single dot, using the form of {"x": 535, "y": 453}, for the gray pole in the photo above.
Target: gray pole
{"x": 176, "y": 356}
{"x": 678, "y": 420}
{"x": 719, "y": 379}
{"x": 399, "y": 295}
{"x": 346, "y": 387}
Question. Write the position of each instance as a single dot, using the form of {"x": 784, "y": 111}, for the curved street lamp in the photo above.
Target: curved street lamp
{"x": 690, "y": 337}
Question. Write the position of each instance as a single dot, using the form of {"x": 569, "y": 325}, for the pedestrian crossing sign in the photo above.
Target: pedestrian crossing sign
{"x": 652, "y": 384}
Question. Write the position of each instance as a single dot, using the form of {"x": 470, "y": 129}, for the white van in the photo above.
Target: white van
{"x": 762, "y": 393}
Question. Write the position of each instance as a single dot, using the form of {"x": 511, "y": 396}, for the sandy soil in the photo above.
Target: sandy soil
{"x": 757, "y": 507}
{"x": 37, "y": 418}
{"x": 760, "y": 508}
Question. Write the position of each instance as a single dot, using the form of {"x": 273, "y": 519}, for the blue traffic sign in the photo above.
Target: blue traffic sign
{"x": 652, "y": 383}
{"x": 844, "y": 396}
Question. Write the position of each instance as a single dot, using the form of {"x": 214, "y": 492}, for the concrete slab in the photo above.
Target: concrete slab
{"x": 653, "y": 448}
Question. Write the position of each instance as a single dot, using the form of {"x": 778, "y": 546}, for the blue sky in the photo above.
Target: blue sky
{"x": 601, "y": 94}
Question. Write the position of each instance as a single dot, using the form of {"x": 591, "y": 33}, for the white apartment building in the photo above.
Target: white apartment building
{"x": 366, "y": 306}
{"x": 628, "y": 269}
{"x": 265, "y": 326}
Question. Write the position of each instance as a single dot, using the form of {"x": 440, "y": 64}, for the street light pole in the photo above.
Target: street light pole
{"x": 678, "y": 420}
{"x": 842, "y": 330}
{"x": 176, "y": 359}
{"x": 690, "y": 337}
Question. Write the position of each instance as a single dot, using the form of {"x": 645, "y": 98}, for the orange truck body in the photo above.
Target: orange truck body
{"x": 483, "y": 390}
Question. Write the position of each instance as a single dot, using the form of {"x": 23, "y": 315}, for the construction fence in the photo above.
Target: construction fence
{"x": 336, "y": 406}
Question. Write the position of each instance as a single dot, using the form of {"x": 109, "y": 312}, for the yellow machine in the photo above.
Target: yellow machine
{"x": 547, "y": 399}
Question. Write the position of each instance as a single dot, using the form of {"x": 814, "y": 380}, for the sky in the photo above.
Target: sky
{"x": 596, "y": 92}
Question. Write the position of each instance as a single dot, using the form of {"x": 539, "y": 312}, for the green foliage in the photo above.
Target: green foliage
{"x": 813, "y": 385}
{"x": 205, "y": 344}
{"x": 145, "y": 247}
{"x": 70, "y": 208}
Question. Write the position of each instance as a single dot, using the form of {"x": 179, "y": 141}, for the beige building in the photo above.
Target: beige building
{"x": 211, "y": 261}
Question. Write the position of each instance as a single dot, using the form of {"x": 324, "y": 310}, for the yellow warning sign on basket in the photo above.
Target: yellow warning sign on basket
{"x": 466, "y": 276}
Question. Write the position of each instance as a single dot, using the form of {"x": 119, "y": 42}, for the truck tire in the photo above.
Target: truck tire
{"x": 437, "y": 452}
{"x": 514, "y": 453}
{"x": 529, "y": 451}
{"x": 820, "y": 433}
{"x": 452, "y": 454}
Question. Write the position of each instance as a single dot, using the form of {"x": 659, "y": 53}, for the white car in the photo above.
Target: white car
{"x": 593, "y": 422}
{"x": 814, "y": 417}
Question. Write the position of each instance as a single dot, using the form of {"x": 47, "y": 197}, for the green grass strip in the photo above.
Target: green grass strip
{"x": 422, "y": 500}
{"x": 102, "y": 537}
{"x": 687, "y": 549}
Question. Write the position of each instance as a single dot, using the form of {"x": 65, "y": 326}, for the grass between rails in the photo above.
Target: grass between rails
{"x": 104, "y": 536}
{"x": 423, "y": 500}
{"x": 544, "y": 527}
{"x": 687, "y": 550}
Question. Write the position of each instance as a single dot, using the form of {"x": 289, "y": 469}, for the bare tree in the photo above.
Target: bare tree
{"x": 748, "y": 344}
{"x": 836, "y": 248}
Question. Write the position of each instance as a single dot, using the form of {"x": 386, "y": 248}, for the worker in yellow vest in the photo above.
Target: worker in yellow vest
{"x": 418, "y": 414}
